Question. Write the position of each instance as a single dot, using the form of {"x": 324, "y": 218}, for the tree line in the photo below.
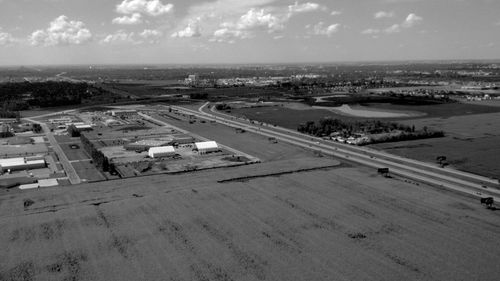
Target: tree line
{"x": 328, "y": 126}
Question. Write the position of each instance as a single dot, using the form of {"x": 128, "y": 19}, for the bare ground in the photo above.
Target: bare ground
{"x": 335, "y": 224}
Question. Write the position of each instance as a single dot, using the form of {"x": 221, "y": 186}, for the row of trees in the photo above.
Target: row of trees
{"x": 22, "y": 96}
{"x": 327, "y": 126}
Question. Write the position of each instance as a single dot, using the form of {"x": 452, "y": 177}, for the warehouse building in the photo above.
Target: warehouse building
{"x": 16, "y": 164}
{"x": 162, "y": 151}
{"x": 206, "y": 147}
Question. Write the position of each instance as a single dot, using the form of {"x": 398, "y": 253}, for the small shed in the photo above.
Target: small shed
{"x": 206, "y": 147}
{"x": 161, "y": 151}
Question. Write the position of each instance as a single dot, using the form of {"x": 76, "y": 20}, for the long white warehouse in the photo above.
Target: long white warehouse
{"x": 161, "y": 151}
{"x": 14, "y": 164}
{"x": 206, "y": 147}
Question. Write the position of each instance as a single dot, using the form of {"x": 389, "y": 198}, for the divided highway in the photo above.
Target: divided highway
{"x": 448, "y": 178}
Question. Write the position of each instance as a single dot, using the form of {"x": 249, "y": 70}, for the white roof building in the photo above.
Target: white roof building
{"x": 161, "y": 151}
{"x": 20, "y": 164}
{"x": 207, "y": 146}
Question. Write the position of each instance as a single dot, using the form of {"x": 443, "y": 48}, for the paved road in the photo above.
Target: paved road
{"x": 412, "y": 169}
{"x": 63, "y": 159}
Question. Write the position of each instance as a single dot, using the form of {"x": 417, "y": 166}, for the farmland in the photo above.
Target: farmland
{"x": 350, "y": 224}
{"x": 471, "y": 143}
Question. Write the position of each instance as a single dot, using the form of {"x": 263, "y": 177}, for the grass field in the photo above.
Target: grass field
{"x": 471, "y": 143}
{"x": 336, "y": 224}
{"x": 252, "y": 144}
{"x": 86, "y": 170}
{"x": 74, "y": 153}
{"x": 292, "y": 118}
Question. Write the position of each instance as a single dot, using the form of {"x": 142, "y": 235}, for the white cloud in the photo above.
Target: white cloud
{"x": 246, "y": 26}
{"x": 383, "y": 14}
{"x": 120, "y": 36}
{"x": 255, "y": 19}
{"x": 151, "y": 36}
{"x": 226, "y": 35}
{"x": 135, "y": 18}
{"x": 336, "y": 13}
{"x": 61, "y": 31}
{"x": 6, "y": 38}
{"x": 304, "y": 8}
{"x": 225, "y": 17}
{"x": 322, "y": 29}
{"x": 411, "y": 20}
{"x": 191, "y": 30}
{"x": 371, "y": 31}
{"x": 393, "y": 29}
{"x": 149, "y": 7}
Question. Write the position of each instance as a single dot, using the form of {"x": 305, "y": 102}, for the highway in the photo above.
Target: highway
{"x": 470, "y": 184}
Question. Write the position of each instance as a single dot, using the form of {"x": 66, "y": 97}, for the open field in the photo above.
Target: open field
{"x": 292, "y": 115}
{"x": 87, "y": 171}
{"x": 340, "y": 223}
{"x": 74, "y": 154}
{"x": 471, "y": 143}
{"x": 252, "y": 144}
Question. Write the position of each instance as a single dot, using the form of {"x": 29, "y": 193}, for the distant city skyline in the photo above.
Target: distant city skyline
{"x": 141, "y": 32}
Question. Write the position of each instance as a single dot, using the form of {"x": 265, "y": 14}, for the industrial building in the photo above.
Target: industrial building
{"x": 122, "y": 113}
{"x": 162, "y": 151}
{"x": 15, "y": 164}
{"x": 206, "y": 147}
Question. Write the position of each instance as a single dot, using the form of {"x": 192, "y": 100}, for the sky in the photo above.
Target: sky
{"x": 87, "y": 32}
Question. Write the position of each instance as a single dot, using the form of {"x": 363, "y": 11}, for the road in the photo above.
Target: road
{"x": 470, "y": 184}
{"x": 63, "y": 159}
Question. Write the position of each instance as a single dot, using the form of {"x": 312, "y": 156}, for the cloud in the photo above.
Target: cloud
{"x": 61, "y": 31}
{"x": 322, "y": 29}
{"x": 211, "y": 14}
{"x": 371, "y": 31}
{"x": 245, "y": 27}
{"x": 135, "y": 18}
{"x": 304, "y": 8}
{"x": 120, "y": 36}
{"x": 336, "y": 13}
{"x": 150, "y": 7}
{"x": 393, "y": 29}
{"x": 151, "y": 36}
{"x": 191, "y": 30}
{"x": 226, "y": 35}
{"x": 6, "y": 38}
{"x": 255, "y": 19}
{"x": 411, "y": 21}
{"x": 383, "y": 14}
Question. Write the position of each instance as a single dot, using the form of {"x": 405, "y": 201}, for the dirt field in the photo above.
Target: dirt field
{"x": 471, "y": 143}
{"x": 335, "y": 224}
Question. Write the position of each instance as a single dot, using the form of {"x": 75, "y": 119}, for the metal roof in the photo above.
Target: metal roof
{"x": 206, "y": 145}
{"x": 162, "y": 149}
